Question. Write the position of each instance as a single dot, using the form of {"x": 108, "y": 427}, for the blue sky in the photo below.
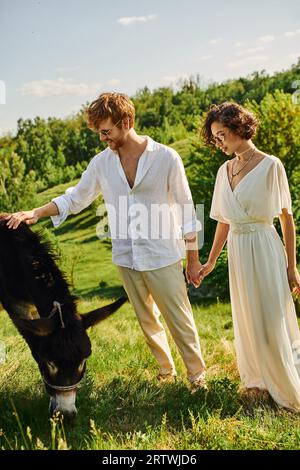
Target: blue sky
{"x": 58, "y": 54}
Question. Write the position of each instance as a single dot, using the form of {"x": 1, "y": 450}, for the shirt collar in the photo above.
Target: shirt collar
{"x": 150, "y": 143}
{"x": 150, "y": 147}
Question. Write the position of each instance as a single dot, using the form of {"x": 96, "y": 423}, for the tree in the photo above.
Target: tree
{"x": 17, "y": 189}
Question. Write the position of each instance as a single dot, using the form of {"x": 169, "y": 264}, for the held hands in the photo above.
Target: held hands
{"x": 206, "y": 269}
{"x": 195, "y": 272}
{"x": 192, "y": 272}
{"x": 14, "y": 220}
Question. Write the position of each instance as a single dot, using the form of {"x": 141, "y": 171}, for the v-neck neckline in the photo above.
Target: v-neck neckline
{"x": 249, "y": 172}
{"x": 138, "y": 170}
{"x": 138, "y": 175}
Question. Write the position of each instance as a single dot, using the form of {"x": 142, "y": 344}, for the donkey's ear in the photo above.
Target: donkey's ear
{"x": 96, "y": 316}
{"x": 39, "y": 327}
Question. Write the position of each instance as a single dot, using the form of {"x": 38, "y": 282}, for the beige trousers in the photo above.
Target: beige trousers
{"x": 165, "y": 288}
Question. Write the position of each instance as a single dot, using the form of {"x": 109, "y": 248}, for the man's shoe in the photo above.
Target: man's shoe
{"x": 199, "y": 384}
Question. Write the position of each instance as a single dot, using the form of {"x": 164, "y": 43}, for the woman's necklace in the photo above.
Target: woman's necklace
{"x": 245, "y": 151}
{"x": 238, "y": 172}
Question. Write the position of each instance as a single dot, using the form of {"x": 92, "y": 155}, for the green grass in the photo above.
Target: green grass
{"x": 121, "y": 405}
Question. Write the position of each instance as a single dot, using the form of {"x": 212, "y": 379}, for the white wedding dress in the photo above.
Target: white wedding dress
{"x": 267, "y": 337}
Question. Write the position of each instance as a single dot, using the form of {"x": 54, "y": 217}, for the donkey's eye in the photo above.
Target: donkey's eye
{"x": 52, "y": 367}
{"x": 81, "y": 365}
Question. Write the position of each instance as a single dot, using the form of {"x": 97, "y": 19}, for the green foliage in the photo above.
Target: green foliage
{"x": 278, "y": 135}
{"x": 279, "y": 128}
{"x": 17, "y": 189}
{"x": 57, "y": 150}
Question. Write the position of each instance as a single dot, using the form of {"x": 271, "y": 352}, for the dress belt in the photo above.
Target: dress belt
{"x": 249, "y": 227}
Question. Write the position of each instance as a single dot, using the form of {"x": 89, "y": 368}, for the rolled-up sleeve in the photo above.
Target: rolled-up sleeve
{"x": 179, "y": 187}
{"x": 78, "y": 197}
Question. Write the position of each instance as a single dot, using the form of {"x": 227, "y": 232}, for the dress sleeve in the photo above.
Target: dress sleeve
{"x": 281, "y": 197}
{"x": 215, "y": 211}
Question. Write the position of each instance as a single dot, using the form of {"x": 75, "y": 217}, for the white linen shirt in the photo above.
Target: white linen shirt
{"x": 160, "y": 180}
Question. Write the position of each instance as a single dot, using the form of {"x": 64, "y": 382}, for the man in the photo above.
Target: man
{"x": 135, "y": 172}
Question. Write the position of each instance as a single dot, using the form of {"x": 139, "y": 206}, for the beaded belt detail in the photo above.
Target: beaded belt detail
{"x": 249, "y": 227}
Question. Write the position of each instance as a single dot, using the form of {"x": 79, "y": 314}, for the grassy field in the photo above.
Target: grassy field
{"x": 121, "y": 404}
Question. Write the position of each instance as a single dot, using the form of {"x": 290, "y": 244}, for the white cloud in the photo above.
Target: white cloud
{"x": 59, "y": 87}
{"x": 215, "y": 40}
{"x": 128, "y": 20}
{"x": 294, "y": 56}
{"x": 113, "y": 82}
{"x": 267, "y": 38}
{"x": 239, "y": 44}
{"x": 292, "y": 33}
{"x": 205, "y": 57}
{"x": 251, "y": 50}
{"x": 247, "y": 60}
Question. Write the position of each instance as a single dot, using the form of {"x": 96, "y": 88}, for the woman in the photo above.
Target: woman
{"x": 250, "y": 190}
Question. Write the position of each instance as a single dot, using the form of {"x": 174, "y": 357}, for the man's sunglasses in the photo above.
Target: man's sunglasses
{"x": 106, "y": 132}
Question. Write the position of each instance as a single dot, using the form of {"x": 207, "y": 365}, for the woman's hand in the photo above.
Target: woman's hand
{"x": 206, "y": 269}
{"x": 294, "y": 281}
{"x": 29, "y": 217}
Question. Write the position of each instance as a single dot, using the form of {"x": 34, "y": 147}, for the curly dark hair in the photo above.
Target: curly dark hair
{"x": 233, "y": 116}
